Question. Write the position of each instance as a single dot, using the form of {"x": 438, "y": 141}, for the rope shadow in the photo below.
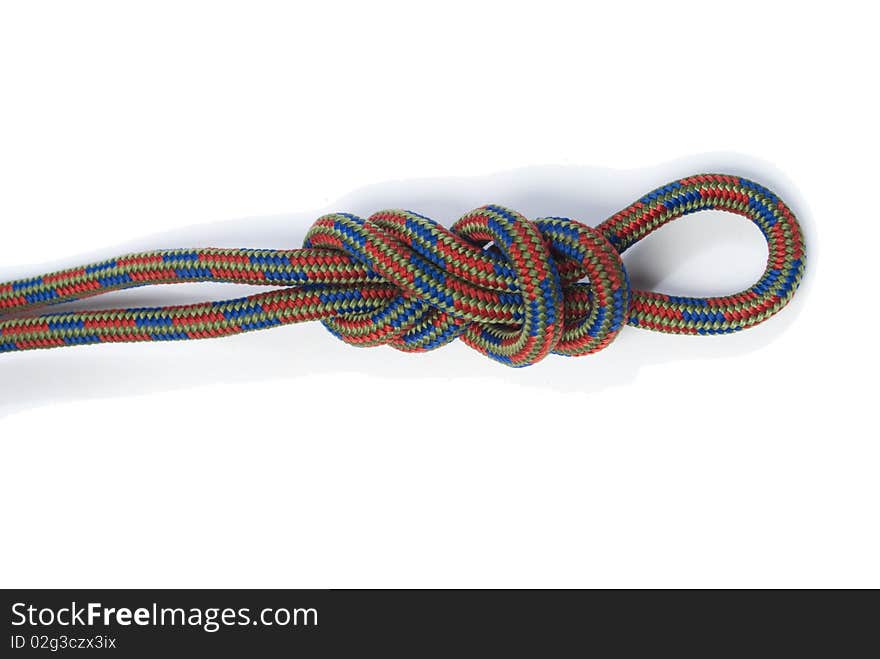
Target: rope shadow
{"x": 33, "y": 379}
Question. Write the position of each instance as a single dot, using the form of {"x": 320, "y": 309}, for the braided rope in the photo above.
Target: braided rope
{"x": 509, "y": 287}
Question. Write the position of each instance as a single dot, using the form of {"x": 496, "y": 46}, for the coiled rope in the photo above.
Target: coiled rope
{"x": 509, "y": 287}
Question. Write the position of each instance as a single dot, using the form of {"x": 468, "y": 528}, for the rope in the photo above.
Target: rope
{"x": 509, "y": 287}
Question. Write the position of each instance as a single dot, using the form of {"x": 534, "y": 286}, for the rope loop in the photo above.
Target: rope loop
{"x": 511, "y": 288}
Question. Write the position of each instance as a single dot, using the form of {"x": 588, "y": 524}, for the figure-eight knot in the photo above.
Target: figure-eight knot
{"x": 513, "y": 289}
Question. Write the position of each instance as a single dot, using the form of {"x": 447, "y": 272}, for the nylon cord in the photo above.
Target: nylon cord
{"x": 509, "y": 287}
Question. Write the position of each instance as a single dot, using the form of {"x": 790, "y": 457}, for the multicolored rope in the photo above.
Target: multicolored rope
{"x": 509, "y": 287}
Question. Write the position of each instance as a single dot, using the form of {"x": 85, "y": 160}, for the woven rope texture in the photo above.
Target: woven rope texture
{"x": 513, "y": 289}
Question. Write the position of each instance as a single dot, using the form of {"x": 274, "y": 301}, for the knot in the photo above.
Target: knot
{"x": 507, "y": 286}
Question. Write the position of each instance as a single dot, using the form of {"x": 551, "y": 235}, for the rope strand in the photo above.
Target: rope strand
{"x": 509, "y": 287}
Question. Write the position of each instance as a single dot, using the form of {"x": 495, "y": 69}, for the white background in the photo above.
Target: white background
{"x": 286, "y": 458}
